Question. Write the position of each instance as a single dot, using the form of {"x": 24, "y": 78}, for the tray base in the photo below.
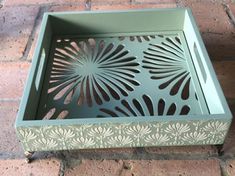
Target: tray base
{"x": 120, "y": 75}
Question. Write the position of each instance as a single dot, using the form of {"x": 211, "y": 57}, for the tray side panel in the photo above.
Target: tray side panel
{"x": 81, "y": 23}
{"x": 210, "y": 86}
{"x": 29, "y": 102}
{"x": 113, "y": 135}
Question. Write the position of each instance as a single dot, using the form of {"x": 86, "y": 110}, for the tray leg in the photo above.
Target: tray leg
{"x": 28, "y": 156}
{"x": 220, "y": 149}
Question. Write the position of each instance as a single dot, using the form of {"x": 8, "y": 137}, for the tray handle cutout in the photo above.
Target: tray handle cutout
{"x": 40, "y": 68}
{"x": 199, "y": 60}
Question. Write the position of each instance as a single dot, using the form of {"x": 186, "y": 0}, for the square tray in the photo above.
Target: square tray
{"x": 121, "y": 79}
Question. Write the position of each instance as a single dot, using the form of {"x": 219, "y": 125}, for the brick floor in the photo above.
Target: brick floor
{"x": 144, "y": 168}
{"x": 225, "y": 73}
{"x": 230, "y": 167}
{"x": 156, "y": 1}
{"x": 94, "y": 168}
{"x": 220, "y": 46}
{"x": 210, "y": 16}
{"x": 232, "y": 8}
{"x": 12, "y": 79}
{"x": 10, "y": 145}
{"x": 16, "y": 24}
{"x": 216, "y": 27}
{"x": 183, "y": 150}
{"x": 118, "y": 153}
{"x": 60, "y": 8}
{"x": 18, "y": 27}
{"x": 45, "y": 167}
{"x": 41, "y": 2}
{"x": 133, "y": 6}
{"x": 93, "y": 2}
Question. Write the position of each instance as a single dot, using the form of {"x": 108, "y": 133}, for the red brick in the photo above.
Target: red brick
{"x": 232, "y": 8}
{"x": 220, "y": 46}
{"x": 144, "y": 168}
{"x": 94, "y": 168}
{"x": 210, "y": 16}
{"x": 12, "y": 79}
{"x": 110, "y": 2}
{"x": 230, "y": 168}
{"x": 225, "y": 73}
{"x": 9, "y": 143}
{"x": 217, "y": 30}
{"x": 156, "y": 1}
{"x": 40, "y": 2}
{"x": 61, "y": 8}
{"x": 183, "y": 150}
{"x": 174, "y": 167}
{"x": 133, "y": 6}
{"x": 46, "y": 167}
{"x": 16, "y": 24}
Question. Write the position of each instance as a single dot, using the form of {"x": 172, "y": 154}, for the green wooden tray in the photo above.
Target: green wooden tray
{"x": 121, "y": 79}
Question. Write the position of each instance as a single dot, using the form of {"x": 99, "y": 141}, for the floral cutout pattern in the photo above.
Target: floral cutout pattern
{"x": 123, "y": 135}
{"x": 138, "y": 38}
{"x": 87, "y": 76}
{"x": 144, "y": 107}
{"x": 90, "y": 72}
{"x": 167, "y": 62}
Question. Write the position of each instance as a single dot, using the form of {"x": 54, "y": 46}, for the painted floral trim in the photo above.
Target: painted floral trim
{"x": 123, "y": 135}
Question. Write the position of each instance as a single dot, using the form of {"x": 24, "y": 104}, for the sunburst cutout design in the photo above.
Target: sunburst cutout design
{"x": 144, "y": 107}
{"x": 94, "y": 71}
{"x": 166, "y": 61}
{"x": 138, "y": 38}
{"x": 105, "y": 76}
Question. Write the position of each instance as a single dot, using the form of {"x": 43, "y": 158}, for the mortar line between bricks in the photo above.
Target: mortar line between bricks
{"x": 63, "y": 163}
{"x": 143, "y": 156}
{"x": 9, "y": 99}
{"x": 31, "y": 36}
{"x": 62, "y": 167}
{"x": 88, "y": 5}
{"x": 229, "y": 14}
{"x": 178, "y": 3}
{"x": 42, "y": 10}
{"x": 223, "y": 170}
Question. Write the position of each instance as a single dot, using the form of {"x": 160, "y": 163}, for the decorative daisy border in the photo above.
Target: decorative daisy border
{"x": 108, "y": 135}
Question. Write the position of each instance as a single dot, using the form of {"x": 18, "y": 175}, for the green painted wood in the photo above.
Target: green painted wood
{"x": 103, "y": 22}
{"x": 144, "y": 70}
{"x": 111, "y": 80}
{"x": 113, "y": 135}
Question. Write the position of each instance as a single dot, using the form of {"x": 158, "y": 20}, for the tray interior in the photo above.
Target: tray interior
{"x": 120, "y": 75}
